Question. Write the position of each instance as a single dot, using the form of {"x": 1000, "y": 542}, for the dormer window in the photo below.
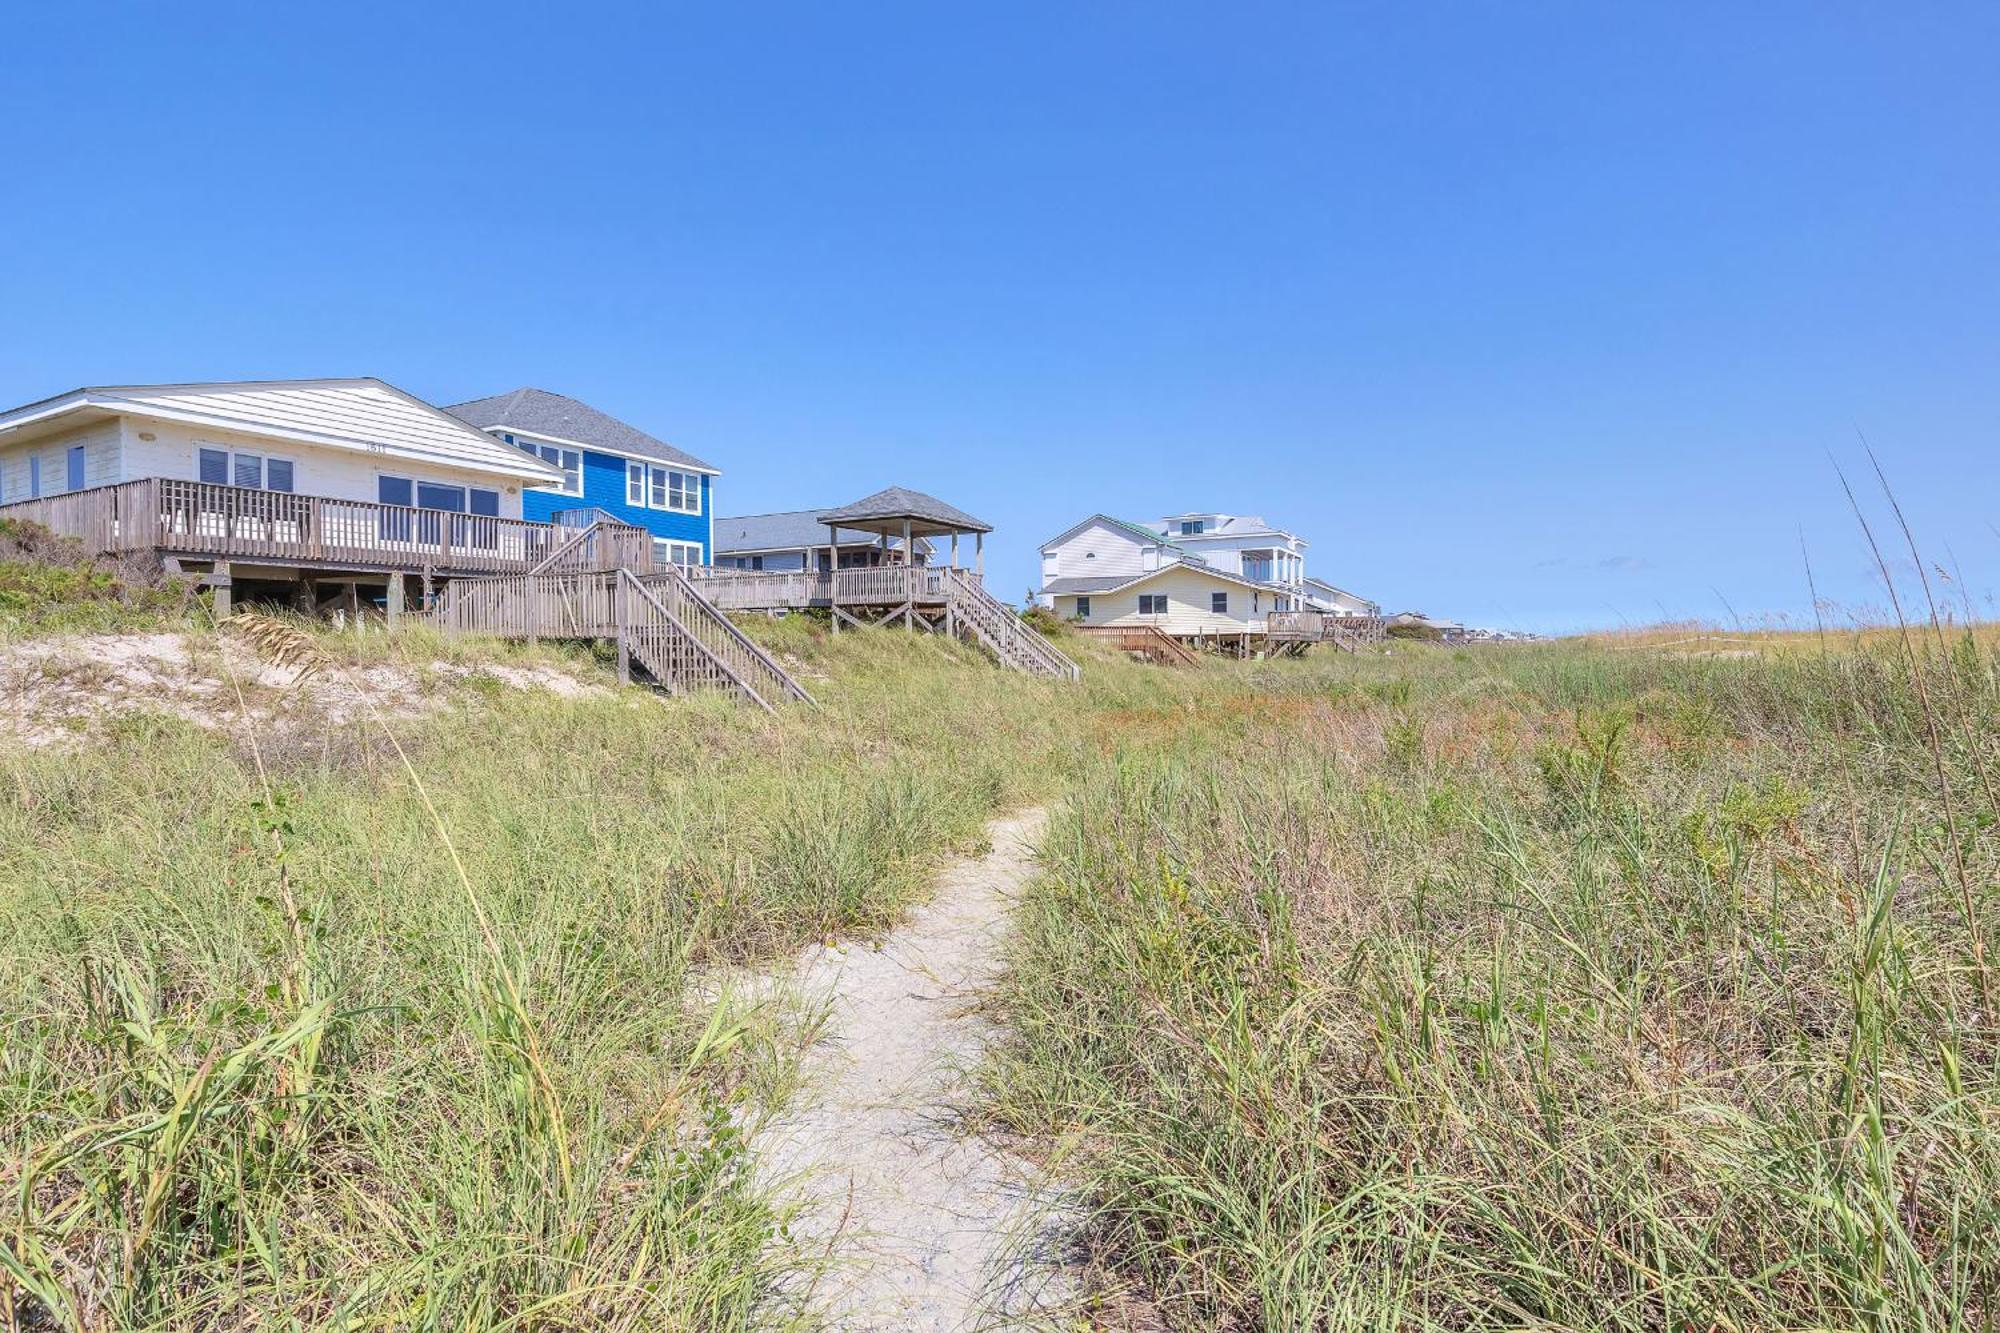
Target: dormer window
{"x": 1191, "y": 527}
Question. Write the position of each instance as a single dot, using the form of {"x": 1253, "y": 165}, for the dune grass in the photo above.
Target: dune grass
{"x": 267, "y": 1055}
{"x": 1541, "y": 986}
{"x": 1548, "y": 985}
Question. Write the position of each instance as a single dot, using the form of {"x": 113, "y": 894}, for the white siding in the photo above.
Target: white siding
{"x": 100, "y": 461}
{"x": 340, "y": 474}
{"x": 1099, "y": 550}
{"x": 362, "y": 415}
{"x": 1188, "y": 594}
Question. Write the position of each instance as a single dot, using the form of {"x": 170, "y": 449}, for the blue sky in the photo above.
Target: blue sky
{"x": 1537, "y": 315}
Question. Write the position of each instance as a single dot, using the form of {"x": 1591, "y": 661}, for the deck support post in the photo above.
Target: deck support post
{"x": 979, "y": 554}
{"x": 618, "y": 599}
{"x": 393, "y": 603}
{"x": 220, "y": 581}
{"x": 832, "y": 575}
{"x": 909, "y": 576}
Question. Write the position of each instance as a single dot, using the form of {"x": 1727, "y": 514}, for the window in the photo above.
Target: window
{"x": 34, "y": 476}
{"x": 1191, "y": 527}
{"x": 75, "y": 461}
{"x": 1083, "y": 608}
{"x": 1152, "y": 603}
{"x": 665, "y": 488}
{"x": 569, "y": 460}
{"x": 1218, "y": 602}
{"x": 257, "y": 472}
{"x": 676, "y": 553}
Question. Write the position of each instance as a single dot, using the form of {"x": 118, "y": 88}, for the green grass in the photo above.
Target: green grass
{"x": 1549, "y": 987}
{"x": 263, "y": 1050}
{"x": 48, "y": 584}
{"x": 1553, "y": 985}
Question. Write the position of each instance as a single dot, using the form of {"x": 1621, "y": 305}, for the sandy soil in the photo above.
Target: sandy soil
{"x": 59, "y": 690}
{"x": 930, "y": 1228}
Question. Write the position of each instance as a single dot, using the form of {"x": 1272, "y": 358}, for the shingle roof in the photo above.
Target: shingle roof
{"x": 901, "y": 502}
{"x": 1149, "y": 535}
{"x": 1091, "y": 583}
{"x": 539, "y": 412}
{"x": 787, "y": 531}
{"x": 360, "y": 414}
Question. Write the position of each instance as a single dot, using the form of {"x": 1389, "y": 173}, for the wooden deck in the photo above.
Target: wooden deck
{"x": 1301, "y": 629}
{"x": 936, "y": 598}
{"x": 1147, "y": 641}
{"x": 200, "y": 521}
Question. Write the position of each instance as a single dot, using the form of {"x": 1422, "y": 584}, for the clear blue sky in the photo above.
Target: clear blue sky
{"x": 1537, "y": 315}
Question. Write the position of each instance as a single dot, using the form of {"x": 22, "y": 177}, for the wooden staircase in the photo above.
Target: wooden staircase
{"x": 979, "y": 616}
{"x": 1148, "y": 641}
{"x": 657, "y": 620}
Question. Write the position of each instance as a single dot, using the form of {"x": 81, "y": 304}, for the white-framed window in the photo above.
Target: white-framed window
{"x": 569, "y": 460}
{"x": 635, "y": 484}
{"x": 240, "y": 467}
{"x": 676, "y": 492}
{"x": 1083, "y": 608}
{"x": 1152, "y": 603}
{"x": 74, "y": 465}
{"x": 669, "y": 552}
{"x": 34, "y": 476}
{"x": 1218, "y": 602}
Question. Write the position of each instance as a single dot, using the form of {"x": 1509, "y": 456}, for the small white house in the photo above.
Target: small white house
{"x": 1181, "y": 598}
{"x": 1191, "y": 575}
{"x": 343, "y": 439}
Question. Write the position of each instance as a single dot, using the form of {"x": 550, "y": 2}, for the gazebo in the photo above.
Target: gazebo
{"x": 897, "y": 511}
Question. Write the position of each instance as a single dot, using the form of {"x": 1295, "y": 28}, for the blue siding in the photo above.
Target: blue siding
{"x": 604, "y": 488}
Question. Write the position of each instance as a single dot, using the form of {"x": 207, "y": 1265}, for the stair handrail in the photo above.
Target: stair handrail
{"x": 1007, "y": 633}
{"x": 718, "y": 617}
{"x": 629, "y": 581}
{"x": 546, "y": 563}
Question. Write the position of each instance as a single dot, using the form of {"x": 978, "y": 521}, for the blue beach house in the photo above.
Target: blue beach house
{"x": 607, "y": 467}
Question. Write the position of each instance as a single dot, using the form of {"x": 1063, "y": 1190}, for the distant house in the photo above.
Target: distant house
{"x": 1448, "y": 631}
{"x": 1323, "y": 596}
{"x": 791, "y": 540}
{"x": 607, "y": 467}
{"x": 1246, "y": 545}
{"x": 1183, "y": 598}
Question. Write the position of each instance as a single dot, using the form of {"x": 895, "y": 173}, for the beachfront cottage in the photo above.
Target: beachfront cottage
{"x": 608, "y": 468}
{"x": 347, "y": 482}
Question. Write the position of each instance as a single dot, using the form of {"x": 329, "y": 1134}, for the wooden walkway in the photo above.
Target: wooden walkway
{"x": 1148, "y": 641}
{"x": 658, "y": 620}
{"x": 940, "y": 599}
{"x": 1301, "y": 629}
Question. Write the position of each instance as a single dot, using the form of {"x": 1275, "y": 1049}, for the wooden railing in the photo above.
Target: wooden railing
{"x": 682, "y": 640}
{"x": 682, "y": 597}
{"x": 1344, "y": 632}
{"x": 796, "y": 589}
{"x": 992, "y": 622}
{"x": 1149, "y": 641}
{"x": 240, "y": 523}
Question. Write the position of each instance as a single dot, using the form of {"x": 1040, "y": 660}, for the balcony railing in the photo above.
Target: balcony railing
{"x": 239, "y": 523}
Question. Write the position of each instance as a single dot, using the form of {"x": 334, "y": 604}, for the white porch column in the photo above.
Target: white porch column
{"x": 979, "y": 554}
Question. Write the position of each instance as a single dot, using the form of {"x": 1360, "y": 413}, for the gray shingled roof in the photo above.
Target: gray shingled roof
{"x": 1089, "y": 584}
{"x": 895, "y": 502}
{"x": 785, "y": 532}
{"x": 539, "y": 412}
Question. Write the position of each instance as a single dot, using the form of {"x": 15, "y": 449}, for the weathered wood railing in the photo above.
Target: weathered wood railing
{"x": 1148, "y": 640}
{"x": 240, "y": 523}
{"x": 1345, "y": 632}
{"x": 770, "y": 590}
{"x": 993, "y": 623}
{"x": 682, "y": 640}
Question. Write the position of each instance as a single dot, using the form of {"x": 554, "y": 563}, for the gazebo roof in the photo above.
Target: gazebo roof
{"x": 886, "y": 510}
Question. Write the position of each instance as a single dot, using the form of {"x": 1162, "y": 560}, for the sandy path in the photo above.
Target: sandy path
{"x": 924, "y": 1223}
